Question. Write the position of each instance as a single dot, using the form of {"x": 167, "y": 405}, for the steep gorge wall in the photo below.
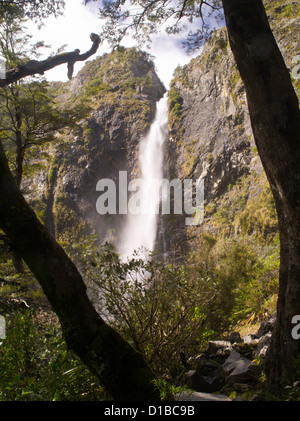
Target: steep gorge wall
{"x": 210, "y": 130}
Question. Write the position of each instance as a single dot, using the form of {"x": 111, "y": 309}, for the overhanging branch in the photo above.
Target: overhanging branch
{"x": 33, "y": 67}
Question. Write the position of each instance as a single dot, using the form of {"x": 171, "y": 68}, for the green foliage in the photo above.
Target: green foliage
{"x": 166, "y": 310}
{"x": 64, "y": 217}
{"x": 247, "y": 208}
{"x": 240, "y": 254}
{"x": 190, "y": 158}
{"x": 30, "y": 119}
{"x": 222, "y": 43}
{"x": 242, "y": 277}
{"x": 159, "y": 309}
{"x": 168, "y": 390}
{"x": 52, "y": 170}
{"x": 95, "y": 87}
{"x": 175, "y": 102}
{"x": 31, "y": 9}
{"x": 36, "y": 365}
{"x": 283, "y": 11}
{"x": 143, "y": 19}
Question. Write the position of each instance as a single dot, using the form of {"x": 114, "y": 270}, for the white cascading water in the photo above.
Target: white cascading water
{"x": 140, "y": 230}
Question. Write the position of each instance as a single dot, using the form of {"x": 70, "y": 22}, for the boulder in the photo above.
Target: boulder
{"x": 224, "y": 363}
{"x": 235, "y": 337}
{"x": 218, "y": 351}
{"x": 216, "y": 346}
{"x": 238, "y": 369}
{"x": 250, "y": 339}
{"x": 263, "y": 345}
{"x": 210, "y": 382}
{"x": 265, "y": 327}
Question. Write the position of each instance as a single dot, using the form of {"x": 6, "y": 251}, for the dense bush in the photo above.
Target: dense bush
{"x": 167, "y": 312}
{"x": 159, "y": 309}
{"x": 243, "y": 276}
{"x": 35, "y": 364}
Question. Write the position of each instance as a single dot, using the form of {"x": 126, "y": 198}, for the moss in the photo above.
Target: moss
{"x": 210, "y": 208}
{"x": 222, "y": 43}
{"x": 247, "y": 209}
{"x": 52, "y": 170}
{"x": 234, "y": 80}
{"x": 95, "y": 87}
{"x": 66, "y": 219}
{"x": 176, "y": 115}
{"x": 284, "y": 11}
{"x": 175, "y": 102}
{"x": 88, "y": 134}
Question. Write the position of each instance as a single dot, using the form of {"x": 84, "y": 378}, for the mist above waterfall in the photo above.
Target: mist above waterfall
{"x": 140, "y": 230}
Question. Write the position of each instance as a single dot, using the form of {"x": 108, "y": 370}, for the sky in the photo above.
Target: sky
{"x": 75, "y": 27}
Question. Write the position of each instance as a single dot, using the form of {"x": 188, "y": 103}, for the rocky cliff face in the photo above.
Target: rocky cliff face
{"x": 210, "y": 128}
{"x": 208, "y": 105}
{"x": 122, "y": 89}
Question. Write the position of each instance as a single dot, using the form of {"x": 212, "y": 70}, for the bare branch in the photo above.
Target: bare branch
{"x": 182, "y": 9}
{"x": 33, "y": 67}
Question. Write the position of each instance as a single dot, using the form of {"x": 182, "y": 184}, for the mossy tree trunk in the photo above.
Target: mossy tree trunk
{"x": 120, "y": 369}
{"x": 275, "y": 118}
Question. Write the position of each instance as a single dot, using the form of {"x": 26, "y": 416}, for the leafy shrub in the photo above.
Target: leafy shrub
{"x": 35, "y": 364}
{"x": 159, "y": 309}
{"x": 167, "y": 311}
{"x": 175, "y": 102}
{"x": 243, "y": 278}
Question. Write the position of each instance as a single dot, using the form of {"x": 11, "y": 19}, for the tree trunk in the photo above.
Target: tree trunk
{"x": 19, "y": 144}
{"x": 275, "y": 119}
{"x": 120, "y": 369}
{"x": 17, "y": 262}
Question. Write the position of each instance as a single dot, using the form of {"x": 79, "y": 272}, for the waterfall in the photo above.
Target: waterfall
{"x": 140, "y": 230}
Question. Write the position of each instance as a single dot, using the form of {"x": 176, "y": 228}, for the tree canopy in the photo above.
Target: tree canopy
{"x": 31, "y": 9}
{"x": 143, "y": 18}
